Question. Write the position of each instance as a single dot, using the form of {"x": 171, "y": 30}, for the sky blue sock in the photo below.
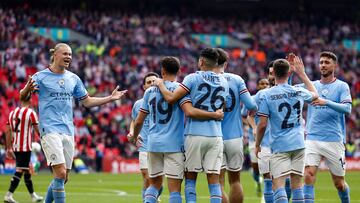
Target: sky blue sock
{"x": 345, "y": 195}
{"x": 309, "y": 193}
{"x": 175, "y": 197}
{"x": 190, "y": 191}
{"x": 49, "y": 195}
{"x": 280, "y": 196}
{"x": 298, "y": 195}
{"x": 151, "y": 194}
{"x": 58, "y": 190}
{"x": 268, "y": 192}
{"x": 215, "y": 193}
{"x": 288, "y": 188}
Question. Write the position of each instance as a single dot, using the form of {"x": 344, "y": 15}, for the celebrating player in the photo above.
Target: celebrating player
{"x": 57, "y": 87}
{"x": 148, "y": 81}
{"x": 282, "y": 105}
{"x": 325, "y": 129}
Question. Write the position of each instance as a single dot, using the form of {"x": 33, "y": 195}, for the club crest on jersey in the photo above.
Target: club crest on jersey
{"x": 62, "y": 83}
{"x": 324, "y": 92}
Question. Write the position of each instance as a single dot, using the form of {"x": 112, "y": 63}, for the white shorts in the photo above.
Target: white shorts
{"x": 286, "y": 163}
{"x": 203, "y": 154}
{"x": 333, "y": 152}
{"x": 58, "y": 149}
{"x": 169, "y": 164}
{"x": 143, "y": 160}
{"x": 264, "y": 160}
{"x": 233, "y": 155}
{"x": 253, "y": 157}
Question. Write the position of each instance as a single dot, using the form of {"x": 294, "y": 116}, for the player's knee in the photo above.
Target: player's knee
{"x": 309, "y": 177}
{"x": 340, "y": 185}
{"x": 61, "y": 174}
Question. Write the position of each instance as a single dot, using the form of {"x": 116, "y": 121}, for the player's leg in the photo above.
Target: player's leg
{"x": 52, "y": 145}
{"x": 193, "y": 165}
{"x": 174, "y": 171}
{"x": 264, "y": 169}
{"x": 297, "y": 168}
{"x": 288, "y": 187}
{"x": 335, "y": 160}
{"x": 235, "y": 157}
{"x": 342, "y": 187}
{"x": 255, "y": 168}
{"x": 15, "y": 180}
{"x": 213, "y": 155}
{"x": 225, "y": 198}
{"x": 156, "y": 172}
{"x": 312, "y": 161}
{"x": 190, "y": 187}
{"x": 236, "y": 190}
{"x": 30, "y": 187}
{"x": 280, "y": 163}
{"x": 279, "y": 188}
{"x": 144, "y": 171}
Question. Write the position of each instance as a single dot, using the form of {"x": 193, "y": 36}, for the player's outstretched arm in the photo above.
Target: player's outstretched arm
{"x": 248, "y": 101}
{"x": 97, "y": 101}
{"x": 199, "y": 114}
{"x": 138, "y": 124}
{"x": 299, "y": 69}
{"x": 170, "y": 97}
{"x": 261, "y": 127}
{"x": 344, "y": 108}
{"x": 28, "y": 89}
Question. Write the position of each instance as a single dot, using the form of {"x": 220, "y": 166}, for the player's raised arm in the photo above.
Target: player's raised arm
{"x": 199, "y": 114}
{"x": 170, "y": 97}
{"x": 299, "y": 69}
{"x": 97, "y": 101}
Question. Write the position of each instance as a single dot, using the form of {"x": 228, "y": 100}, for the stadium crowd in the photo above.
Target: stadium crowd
{"x": 133, "y": 45}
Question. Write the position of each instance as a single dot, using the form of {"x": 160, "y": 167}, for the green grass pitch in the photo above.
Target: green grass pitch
{"x": 126, "y": 188}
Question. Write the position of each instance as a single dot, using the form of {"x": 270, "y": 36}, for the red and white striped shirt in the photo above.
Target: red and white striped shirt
{"x": 21, "y": 121}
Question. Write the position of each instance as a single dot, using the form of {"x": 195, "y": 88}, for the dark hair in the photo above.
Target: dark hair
{"x": 329, "y": 54}
{"x": 211, "y": 56}
{"x": 170, "y": 64}
{"x": 148, "y": 75}
{"x": 260, "y": 79}
{"x": 270, "y": 64}
{"x": 223, "y": 56}
{"x": 281, "y": 68}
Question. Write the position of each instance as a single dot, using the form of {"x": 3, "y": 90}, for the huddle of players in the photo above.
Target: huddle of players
{"x": 212, "y": 137}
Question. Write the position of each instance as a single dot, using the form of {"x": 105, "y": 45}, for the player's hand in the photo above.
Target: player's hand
{"x": 30, "y": 86}
{"x": 290, "y": 58}
{"x": 299, "y": 67}
{"x": 219, "y": 114}
{"x": 252, "y": 113}
{"x": 116, "y": 94}
{"x": 10, "y": 154}
{"x": 158, "y": 81}
{"x": 139, "y": 142}
{"x": 130, "y": 137}
{"x": 257, "y": 150}
{"x": 319, "y": 102}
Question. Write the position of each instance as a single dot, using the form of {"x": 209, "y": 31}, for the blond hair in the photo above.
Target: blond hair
{"x": 53, "y": 50}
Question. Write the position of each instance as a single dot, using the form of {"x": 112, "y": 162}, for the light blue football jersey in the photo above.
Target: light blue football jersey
{"x": 166, "y": 122}
{"x": 56, "y": 93}
{"x": 145, "y": 128}
{"x": 283, "y": 105}
{"x": 266, "y": 139}
{"x": 324, "y": 123}
{"x": 208, "y": 91}
{"x": 232, "y": 124}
